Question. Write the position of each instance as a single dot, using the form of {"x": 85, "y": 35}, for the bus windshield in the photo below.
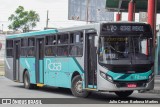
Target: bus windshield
{"x": 125, "y": 50}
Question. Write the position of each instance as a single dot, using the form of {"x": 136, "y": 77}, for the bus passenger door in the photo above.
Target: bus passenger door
{"x": 16, "y": 60}
{"x": 39, "y": 60}
{"x": 90, "y": 61}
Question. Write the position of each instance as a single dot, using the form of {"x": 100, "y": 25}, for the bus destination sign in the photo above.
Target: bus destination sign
{"x": 125, "y": 28}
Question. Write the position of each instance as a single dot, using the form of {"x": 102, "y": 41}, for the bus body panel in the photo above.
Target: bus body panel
{"x": 58, "y": 71}
{"x": 9, "y": 68}
{"x": 29, "y": 65}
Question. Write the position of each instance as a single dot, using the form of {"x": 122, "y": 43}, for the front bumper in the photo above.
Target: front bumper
{"x": 104, "y": 85}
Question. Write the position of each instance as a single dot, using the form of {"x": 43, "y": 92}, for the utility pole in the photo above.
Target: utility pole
{"x": 88, "y": 11}
{"x": 2, "y": 28}
{"x": 47, "y": 19}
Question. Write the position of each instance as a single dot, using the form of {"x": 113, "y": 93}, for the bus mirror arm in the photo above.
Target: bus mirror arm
{"x": 97, "y": 51}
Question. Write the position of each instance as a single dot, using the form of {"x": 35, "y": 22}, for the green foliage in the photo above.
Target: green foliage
{"x": 23, "y": 20}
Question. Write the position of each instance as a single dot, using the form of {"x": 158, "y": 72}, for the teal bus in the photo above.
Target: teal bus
{"x": 105, "y": 57}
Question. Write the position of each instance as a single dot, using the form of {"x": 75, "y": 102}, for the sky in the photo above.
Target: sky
{"x": 58, "y": 12}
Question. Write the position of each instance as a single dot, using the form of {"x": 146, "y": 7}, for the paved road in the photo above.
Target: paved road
{"x": 10, "y": 89}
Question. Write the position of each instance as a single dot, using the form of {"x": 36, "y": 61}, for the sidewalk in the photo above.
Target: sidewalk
{"x": 1, "y": 70}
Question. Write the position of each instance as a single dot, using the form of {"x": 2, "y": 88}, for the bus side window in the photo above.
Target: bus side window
{"x": 50, "y": 48}
{"x": 63, "y": 39}
{"x": 31, "y": 47}
{"x": 62, "y": 47}
{"x": 9, "y": 48}
{"x": 76, "y": 37}
{"x": 23, "y": 47}
{"x": 76, "y": 44}
{"x": 51, "y": 40}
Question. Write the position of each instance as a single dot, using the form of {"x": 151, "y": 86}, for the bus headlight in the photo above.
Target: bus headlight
{"x": 105, "y": 76}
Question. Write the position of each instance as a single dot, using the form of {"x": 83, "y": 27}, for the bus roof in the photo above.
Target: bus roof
{"x": 73, "y": 28}
{"x": 35, "y": 33}
{"x": 97, "y": 25}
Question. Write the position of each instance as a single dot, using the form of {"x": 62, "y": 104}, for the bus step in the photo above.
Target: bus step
{"x": 91, "y": 89}
{"x": 40, "y": 85}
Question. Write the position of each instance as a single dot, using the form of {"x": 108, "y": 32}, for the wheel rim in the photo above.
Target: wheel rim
{"x": 26, "y": 81}
{"x": 78, "y": 87}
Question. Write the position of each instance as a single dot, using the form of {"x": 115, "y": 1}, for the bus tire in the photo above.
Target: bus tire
{"x": 26, "y": 81}
{"x": 77, "y": 88}
{"x": 123, "y": 94}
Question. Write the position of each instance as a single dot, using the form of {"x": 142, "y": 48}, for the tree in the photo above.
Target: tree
{"x": 23, "y": 20}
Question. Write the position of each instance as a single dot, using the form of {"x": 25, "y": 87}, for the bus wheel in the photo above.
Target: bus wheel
{"x": 123, "y": 93}
{"x": 77, "y": 89}
{"x": 27, "y": 83}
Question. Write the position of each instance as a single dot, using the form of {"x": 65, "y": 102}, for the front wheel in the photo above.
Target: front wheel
{"x": 123, "y": 93}
{"x": 77, "y": 89}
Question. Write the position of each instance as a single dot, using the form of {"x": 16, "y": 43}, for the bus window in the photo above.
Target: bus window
{"x": 9, "y": 46}
{"x": 76, "y": 44}
{"x": 31, "y": 42}
{"x": 76, "y": 37}
{"x": 31, "y": 45}
{"x": 62, "y": 47}
{"x": 51, "y": 40}
{"x": 50, "y": 48}
{"x": 62, "y": 50}
{"x": 63, "y": 39}
{"x": 23, "y": 46}
{"x": 76, "y": 50}
{"x": 24, "y": 42}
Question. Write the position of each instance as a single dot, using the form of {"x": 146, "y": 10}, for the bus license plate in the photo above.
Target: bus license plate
{"x": 131, "y": 85}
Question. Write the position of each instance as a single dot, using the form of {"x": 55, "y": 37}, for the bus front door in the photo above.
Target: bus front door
{"x": 90, "y": 61}
{"x": 39, "y": 60}
{"x": 16, "y": 60}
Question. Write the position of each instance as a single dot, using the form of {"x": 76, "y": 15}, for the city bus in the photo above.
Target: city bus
{"x": 105, "y": 57}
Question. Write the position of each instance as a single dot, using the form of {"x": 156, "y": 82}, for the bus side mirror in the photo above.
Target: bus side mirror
{"x": 96, "y": 41}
